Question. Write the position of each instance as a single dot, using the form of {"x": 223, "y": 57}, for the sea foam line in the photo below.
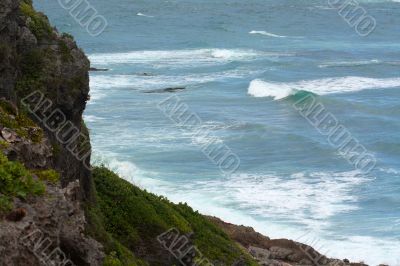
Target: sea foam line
{"x": 265, "y": 33}
{"x": 280, "y": 90}
{"x": 181, "y": 57}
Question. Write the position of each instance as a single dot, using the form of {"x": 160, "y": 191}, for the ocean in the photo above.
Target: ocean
{"x": 241, "y": 67}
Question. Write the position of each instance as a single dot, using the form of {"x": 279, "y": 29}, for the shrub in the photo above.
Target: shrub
{"x": 135, "y": 218}
{"x": 16, "y": 181}
{"x": 48, "y": 175}
{"x": 38, "y": 24}
{"x": 65, "y": 51}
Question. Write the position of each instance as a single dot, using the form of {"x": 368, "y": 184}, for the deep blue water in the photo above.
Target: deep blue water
{"x": 291, "y": 181}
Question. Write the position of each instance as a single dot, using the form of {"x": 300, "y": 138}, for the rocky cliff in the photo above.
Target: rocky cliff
{"x": 35, "y": 60}
{"x": 55, "y": 209}
{"x": 35, "y": 57}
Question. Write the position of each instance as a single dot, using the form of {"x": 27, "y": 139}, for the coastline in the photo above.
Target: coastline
{"x": 92, "y": 216}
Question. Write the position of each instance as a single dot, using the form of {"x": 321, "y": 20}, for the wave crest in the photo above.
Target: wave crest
{"x": 280, "y": 90}
{"x": 265, "y": 33}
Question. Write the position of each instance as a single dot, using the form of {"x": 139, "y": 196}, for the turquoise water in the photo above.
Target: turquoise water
{"x": 238, "y": 60}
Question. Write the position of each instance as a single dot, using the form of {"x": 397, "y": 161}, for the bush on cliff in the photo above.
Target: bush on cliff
{"x": 134, "y": 218}
{"x": 38, "y": 23}
{"x": 16, "y": 181}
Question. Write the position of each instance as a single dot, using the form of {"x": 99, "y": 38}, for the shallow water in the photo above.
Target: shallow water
{"x": 239, "y": 60}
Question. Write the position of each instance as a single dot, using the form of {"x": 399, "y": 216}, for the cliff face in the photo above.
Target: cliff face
{"x": 36, "y": 58}
{"x": 43, "y": 88}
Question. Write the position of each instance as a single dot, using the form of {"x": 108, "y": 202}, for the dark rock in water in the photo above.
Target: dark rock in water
{"x": 98, "y": 69}
{"x": 173, "y": 89}
{"x": 146, "y": 74}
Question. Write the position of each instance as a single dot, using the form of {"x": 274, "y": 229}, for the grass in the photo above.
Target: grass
{"x": 48, "y": 175}
{"x": 16, "y": 181}
{"x": 20, "y": 123}
{"x": 135, "y": 217}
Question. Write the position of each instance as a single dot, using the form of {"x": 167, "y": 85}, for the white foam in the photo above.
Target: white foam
{"x": 126, "y": 170}
{"x": 350, "y": 63}
{"x": 144, "y": 15}
{"x": 91, "y": 118}
{"x": 308, "y": 200}
{"x": 280, "y": 90}
{"x": 101, "y": 82}
{"x": 176, "y": 58}
{"x": 265, "y": 33}
{"x": 259, "y": 88}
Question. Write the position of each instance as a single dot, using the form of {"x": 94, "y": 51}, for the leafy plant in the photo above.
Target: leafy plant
{"x": 16, "y": 181}
{"x": 48, "y": 175}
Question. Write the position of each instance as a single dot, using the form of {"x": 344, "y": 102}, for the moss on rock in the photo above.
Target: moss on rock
{"x": 19, "y": 122}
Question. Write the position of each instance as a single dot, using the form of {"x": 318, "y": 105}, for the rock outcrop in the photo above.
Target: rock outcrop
{"x": 52, "y": 229}
{"x": 277, "y": 252}
{"x": 35, "y": 57}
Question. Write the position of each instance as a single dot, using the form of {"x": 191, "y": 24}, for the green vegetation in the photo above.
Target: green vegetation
{"x": 67, "y": 35}
{"x": 4, "y": 145}
{"x": 117, "y": 253}
{"x": 38, "y": 23}
{"x": 134, "y": 218}
{"x": 16, "y": 181}
{"x": 32, "y": 69}
{"x": 65, "y": 51}
{"x": 48, "y": 175}
{"x": 19, "y": 122}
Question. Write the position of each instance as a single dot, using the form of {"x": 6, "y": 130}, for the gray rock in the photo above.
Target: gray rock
{"x": 280, "y": 253}
{"x": 56, "y": 218}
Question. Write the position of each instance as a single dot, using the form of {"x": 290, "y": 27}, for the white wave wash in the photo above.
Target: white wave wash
{"x": 265, "y": 33}
{"x": 280, "y": 90}
{"x": 144, "y": 15}
{"x": 350, "y": 63}
{"x": 310, "y": 199}
{"x": 180, "y": 58}
{"x": 102, "y": 82}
